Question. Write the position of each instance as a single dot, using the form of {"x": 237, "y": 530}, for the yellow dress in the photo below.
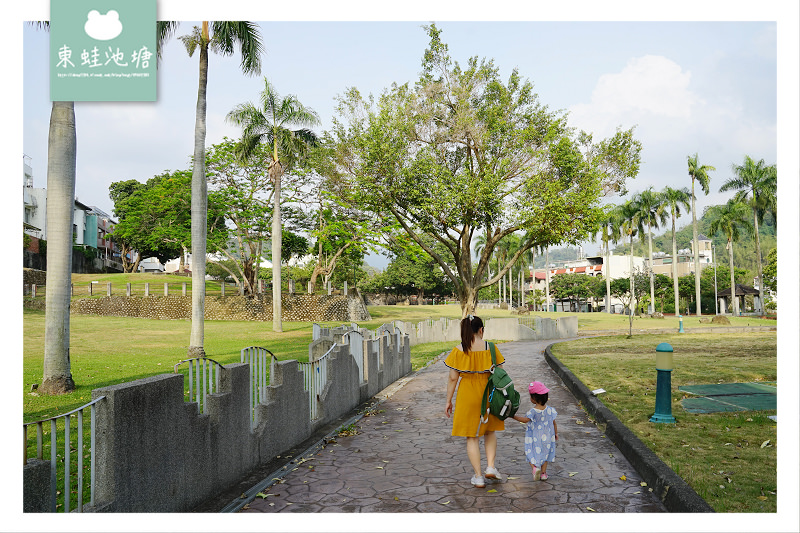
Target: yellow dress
{"x": 473, "y": 368}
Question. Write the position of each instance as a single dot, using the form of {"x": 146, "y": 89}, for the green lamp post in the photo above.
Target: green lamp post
{"x": 663, "y": 414}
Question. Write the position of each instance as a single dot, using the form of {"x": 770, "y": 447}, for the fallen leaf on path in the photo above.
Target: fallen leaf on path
{"x": 493, "y": 490}
{"x": 445, "y": 503}
{"x": 622, "y": 477}
{"x": 643, "y": 484}
{"x": 592, "y": 510}
{"x": 572, "y": 474}
{"x": 512, "y": 477}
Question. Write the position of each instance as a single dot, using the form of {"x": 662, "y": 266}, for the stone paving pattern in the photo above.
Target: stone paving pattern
{"x": 403, "y": 459}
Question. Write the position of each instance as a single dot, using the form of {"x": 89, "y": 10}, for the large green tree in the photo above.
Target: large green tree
{"x": 698, "y": 173}
{"x": 154, "y": 218}
{"x": 463, "y": 152}
{"x": 245, "y": 189}
{"x": 271, "y": 124}
{"x": 731, "y": 219}
{"x": 756, "y": 184}
{"x": 221, "y": 37}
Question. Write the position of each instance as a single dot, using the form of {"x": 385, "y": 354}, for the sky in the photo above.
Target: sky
{"x": 715, "y": 78}
{"x": 687, "y": 87}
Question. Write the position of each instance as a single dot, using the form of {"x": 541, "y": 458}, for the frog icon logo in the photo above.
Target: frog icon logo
{"x": 103, "y": 27}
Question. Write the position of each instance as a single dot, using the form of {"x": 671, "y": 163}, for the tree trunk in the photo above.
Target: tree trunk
{"x": 675, "y": 266}
{"x": 760, "y": 267}
{"x": 61, "y": 156}
{"x": 607, "y": 274}
{"x": 734, "y": 299}
{"x": 651, "y": 307}
{"x": 469, "y": 301}
{"x": 630, "y": 307}
{"x": 696, "y": 255}
{"x": 199, "y": 209}
{"x": 275, "y": 172}
{"x": 547, "y": 277}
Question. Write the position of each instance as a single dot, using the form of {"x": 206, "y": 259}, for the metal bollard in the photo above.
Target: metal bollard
{"x": 664, "y": 364}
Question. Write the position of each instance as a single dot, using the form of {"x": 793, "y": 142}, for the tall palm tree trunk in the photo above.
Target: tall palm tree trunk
{"x": 652, "y": 306}
{"x": 547, "y": 277}
{"x": 275, "y": 173}
{"x": 61, "y": 155}
{"x": 630, "y": 311}
{"x": 734, "y": 299}
{"x": 760, "y": 266}
{"x": 696, "y": 255}
{"x": 675, "y": 266}
{"x": 607, "y": 274}
{"x": 199, "y": 208}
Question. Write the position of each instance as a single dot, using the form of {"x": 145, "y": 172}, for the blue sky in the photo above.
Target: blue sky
{"x": 717, "y": 78}
{"x": 688, "y": 87}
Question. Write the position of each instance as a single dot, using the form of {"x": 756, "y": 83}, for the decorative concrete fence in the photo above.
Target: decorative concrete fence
{"x": 508, "y": 329}
{"x": 155, "y": 452}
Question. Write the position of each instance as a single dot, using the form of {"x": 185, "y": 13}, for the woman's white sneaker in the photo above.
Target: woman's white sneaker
{"x": 492, "y": 473}
{"x": 478, "y": 481}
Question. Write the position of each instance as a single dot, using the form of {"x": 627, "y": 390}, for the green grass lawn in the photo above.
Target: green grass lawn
{"x": 708, "y": 451}
{"x": 729, "y": 459}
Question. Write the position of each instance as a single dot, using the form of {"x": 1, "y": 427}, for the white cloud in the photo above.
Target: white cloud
{"x": 649, "y": 87}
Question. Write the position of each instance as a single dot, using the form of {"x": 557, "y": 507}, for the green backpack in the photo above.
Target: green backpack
{"x": 499, "y": 396}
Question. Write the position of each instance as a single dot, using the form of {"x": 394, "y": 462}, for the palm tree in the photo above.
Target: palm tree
{"x": 627, "y": 217}
{"x": 270, "y": 124}
{"x": 651, "y": 215}
{"x": 698, "y": 173}
{"x": 730, "y": 218}
{"x": 673, "y": 199}
{"x": 61, "y": 163}
{"x": 220, "y": 37}
{"x": 756, "y": 185}
{"x": 609, "y": 232}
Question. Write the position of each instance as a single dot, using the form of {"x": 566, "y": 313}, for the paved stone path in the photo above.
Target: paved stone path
{"x": 403, "y": 459}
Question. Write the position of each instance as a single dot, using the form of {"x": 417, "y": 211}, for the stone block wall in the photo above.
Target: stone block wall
{"x": 307, "y": 308}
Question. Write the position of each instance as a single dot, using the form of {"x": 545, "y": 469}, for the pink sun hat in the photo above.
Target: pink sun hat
{"x": 537, "y": 387}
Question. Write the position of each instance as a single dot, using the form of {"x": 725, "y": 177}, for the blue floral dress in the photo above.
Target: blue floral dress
{"x": 540, "y": 436}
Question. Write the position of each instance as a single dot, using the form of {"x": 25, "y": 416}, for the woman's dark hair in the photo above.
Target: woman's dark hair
{"x": 541, "y": 399}
{"x": 469, "y": 327}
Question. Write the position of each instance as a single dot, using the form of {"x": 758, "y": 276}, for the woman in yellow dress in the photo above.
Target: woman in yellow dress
{"x": 471, "y": 362}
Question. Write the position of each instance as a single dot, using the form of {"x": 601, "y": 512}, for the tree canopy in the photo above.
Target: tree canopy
{"x": 463, "y": 152}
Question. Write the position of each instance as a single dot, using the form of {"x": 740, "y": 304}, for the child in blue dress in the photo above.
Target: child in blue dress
{"x": 541, "y": 432}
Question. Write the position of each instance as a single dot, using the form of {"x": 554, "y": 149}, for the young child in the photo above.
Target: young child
{"x": 541, "y": 432}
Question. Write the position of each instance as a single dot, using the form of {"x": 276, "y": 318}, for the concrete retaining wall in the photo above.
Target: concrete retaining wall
{"x": 157, "y": 453}
{"x": 507, "y": 329}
